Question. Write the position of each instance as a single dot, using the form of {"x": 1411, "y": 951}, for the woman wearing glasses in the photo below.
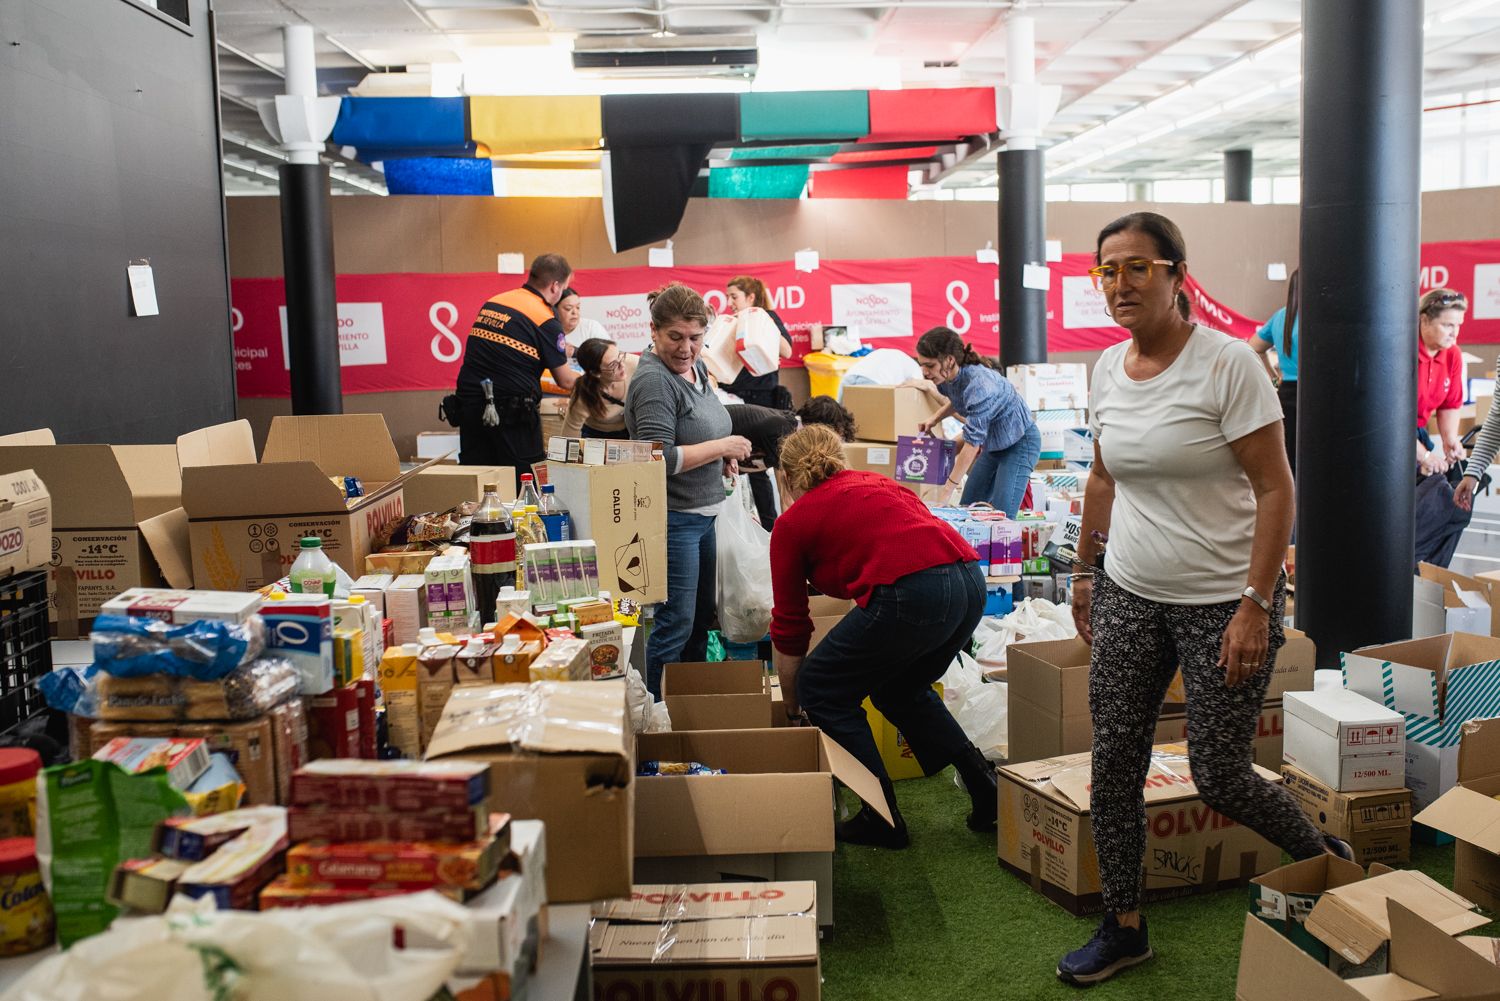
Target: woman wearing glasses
{"x": 1190, "y": 487}
{"x": 597, "y": 409}
{"x": 1001, "y": 442}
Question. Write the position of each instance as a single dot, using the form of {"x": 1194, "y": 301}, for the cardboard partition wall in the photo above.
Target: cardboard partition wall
{"x": 774, "y": 801}
{"x": 884, "y": 413}
{"x": 731, "y": 695}
{"x": 1440, "y": 683}
{"x": 116, "y": 520}
{"x": 623, "y": 508}
{"x": 246, "y": 517}
{"x": 721, "y": 940}
{"x": 559, "y": 752}
{"x": 1425, "y": 963}
{"x": 1046, "y": 832}
{"x": 1470, "y": 813}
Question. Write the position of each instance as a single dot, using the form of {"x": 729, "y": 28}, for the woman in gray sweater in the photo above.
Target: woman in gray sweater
{"x": 672, "y": 402}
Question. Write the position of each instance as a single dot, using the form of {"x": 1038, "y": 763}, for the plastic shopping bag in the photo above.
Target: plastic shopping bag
{"x": 744, "y": 577}
{"x": 1032, "y": 621}
{"x": 197, "y": 953}
{"x": 982, "y": 716}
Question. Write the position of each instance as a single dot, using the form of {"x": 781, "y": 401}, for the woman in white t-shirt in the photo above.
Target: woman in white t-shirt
{"x": 1192, "y": 493}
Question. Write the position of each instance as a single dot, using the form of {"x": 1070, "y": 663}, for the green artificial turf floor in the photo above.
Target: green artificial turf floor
{"x": 942, "y": 920}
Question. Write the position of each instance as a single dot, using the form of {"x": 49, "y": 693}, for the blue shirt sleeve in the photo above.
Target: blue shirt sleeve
{"x": 1272, "y": 327}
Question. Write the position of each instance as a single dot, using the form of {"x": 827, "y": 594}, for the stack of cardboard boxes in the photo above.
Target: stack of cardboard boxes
{"x": 882, "y": 416}
{"x": 1058, "y": 397}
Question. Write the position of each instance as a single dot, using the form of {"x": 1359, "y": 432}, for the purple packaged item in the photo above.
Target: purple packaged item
{"x": 924, "y": 459}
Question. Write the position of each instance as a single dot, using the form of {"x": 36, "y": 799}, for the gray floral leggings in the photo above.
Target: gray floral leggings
{"x": 1138, "y": 645}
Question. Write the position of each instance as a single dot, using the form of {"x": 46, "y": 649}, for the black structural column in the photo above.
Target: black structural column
{"x": 1238, "y": 168}
{"x": 311, "y": 303}
{"x": 1362, "y": 86}
{"x": 1023, "y": 241}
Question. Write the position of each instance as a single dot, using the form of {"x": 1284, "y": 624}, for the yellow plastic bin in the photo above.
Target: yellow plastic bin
{"x": 825, "y": 372}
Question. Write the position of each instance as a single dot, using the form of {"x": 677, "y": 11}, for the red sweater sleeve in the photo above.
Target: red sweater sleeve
{"x": 791, "y": 627}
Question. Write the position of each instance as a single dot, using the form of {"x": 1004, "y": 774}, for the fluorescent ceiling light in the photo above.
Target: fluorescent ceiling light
{"x": 1463, "y": 9}
{"x": 1249, "y": 97}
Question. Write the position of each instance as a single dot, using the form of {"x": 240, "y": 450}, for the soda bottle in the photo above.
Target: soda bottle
{"x": 526, "y": 495}
{"x": 555, "y": 516}
{"x": 492, "y": 548}
{"x": 313, "y": 573}
{"x": 529, "y": 531}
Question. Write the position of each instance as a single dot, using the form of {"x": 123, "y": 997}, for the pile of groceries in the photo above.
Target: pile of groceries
{"x": 263, "y": 750}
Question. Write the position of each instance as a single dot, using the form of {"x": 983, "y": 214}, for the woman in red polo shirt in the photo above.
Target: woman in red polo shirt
{"x": 918, "y": 595}
{"x": 1440, "y": 378}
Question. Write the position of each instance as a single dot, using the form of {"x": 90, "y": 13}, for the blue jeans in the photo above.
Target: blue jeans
{"x": 1001, "y": 477}
{"x": 680, "y": 631}
{"x": 891, "y": 651}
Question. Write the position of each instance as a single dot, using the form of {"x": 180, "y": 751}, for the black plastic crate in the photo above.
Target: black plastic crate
{"x": 25, "y": 651}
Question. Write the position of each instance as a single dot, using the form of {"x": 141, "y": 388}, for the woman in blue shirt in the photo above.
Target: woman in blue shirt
{"x": 1001, "y": 442}
{"x": 1282, "y": 335}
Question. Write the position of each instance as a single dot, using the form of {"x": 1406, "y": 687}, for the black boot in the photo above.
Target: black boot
{"x": 869, "y": 828}
{"x": 978, "y": 776}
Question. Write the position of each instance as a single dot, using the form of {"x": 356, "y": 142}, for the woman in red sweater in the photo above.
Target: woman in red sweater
{"x": 918, "y": 594}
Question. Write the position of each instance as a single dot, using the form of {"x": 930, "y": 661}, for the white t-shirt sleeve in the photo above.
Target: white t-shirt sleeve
{"x": 1247, "y": 399}
{"x": 1098, "y": 387}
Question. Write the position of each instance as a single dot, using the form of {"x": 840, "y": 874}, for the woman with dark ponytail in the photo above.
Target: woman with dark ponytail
{"x": 597, "y": 409}
{"x": 1001, "y": 442}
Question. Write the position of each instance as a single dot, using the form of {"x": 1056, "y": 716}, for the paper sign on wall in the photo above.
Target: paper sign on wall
{"x": 1037, "y": 276}
{"x": 512, "y": 264}
{"x": 805, "y": 260}
{"x": 1054, "y": 250}
{"x": 1276, "y": 271}
{"x": 660, "y": 257}
{"x": 361, "y": 328}
{"x": 142, "y": 290}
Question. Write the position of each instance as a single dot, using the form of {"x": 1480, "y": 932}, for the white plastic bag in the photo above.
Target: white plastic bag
{"x": 1032, "y": 621}
{"x": 982, "y": 716}
{"x": 196, "y": 953}
{"x": 744, "y": 572}
{"x": 963, "y": 674}
{"x": 646, "y": 716}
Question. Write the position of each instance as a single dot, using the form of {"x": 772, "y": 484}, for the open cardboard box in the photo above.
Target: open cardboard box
{"x": 721, "y": 940}
{"x": 1425, "y": 963}
{"x": 1440, "y": 682}
{"x": 117, "y": 520}
{"x": 776, "y": 800}
{"x": 559, "y": 752}
{"x": 1046, "y": 832}
{"x": 1446, "y": 602}
{"x": 1352, "y": 919}
{"x": 444, "y": 486}
{"x": 25, "y": 523}
{"x": 246, "y": 517}
{"x": 826, "y": 613}
{"x": 1471, "y": 814}
{"x": 730, "y": 695}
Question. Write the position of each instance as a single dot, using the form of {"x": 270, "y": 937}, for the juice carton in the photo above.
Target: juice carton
{"x": 398, "y": 684}
{"x": 299, "y": 627}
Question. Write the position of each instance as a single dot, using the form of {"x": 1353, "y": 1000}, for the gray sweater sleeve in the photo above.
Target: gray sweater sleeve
{"x": 1485, "y": 446}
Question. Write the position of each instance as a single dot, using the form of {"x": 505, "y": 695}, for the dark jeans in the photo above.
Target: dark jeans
{"x": 1287, "y": 394}
{"x": 1001, "y": 477}
{"x": 892, "y": 651}
{"x": 680, "y": 631}
{"x": 516, "y": 442}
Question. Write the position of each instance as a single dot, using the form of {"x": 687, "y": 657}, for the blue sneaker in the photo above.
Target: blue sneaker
{"x": 1111, "y": 950}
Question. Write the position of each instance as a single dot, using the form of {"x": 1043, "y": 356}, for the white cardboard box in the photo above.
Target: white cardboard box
{"x": 1345, "y": 740}
{"x": 183, "y": 606}
{"x": 503, "y": 916}
{"x": 406, "y": 607}
{"x": 1051, "y": 387}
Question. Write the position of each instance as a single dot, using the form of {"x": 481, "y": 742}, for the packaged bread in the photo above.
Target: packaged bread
{"x": 248, "y": 691}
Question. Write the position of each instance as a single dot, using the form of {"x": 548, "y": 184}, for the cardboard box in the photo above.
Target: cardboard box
{"x": 1425, "y": 963}
{"x": 406, "y": 607}
{"x": 1343, "y": 739}
{"x": 1446, "y": 602}
{"x": 1376, "y": 824}
{"x": 873, "y": 457}
{"x": 504, "y": 916}
{"x": 780, "y": 867}
{"x": 1440, "y": 683}
{"x": 181, "y": 607}
{"x": 1057, "y": 426}
{"x": 558, "y": 752}
{"x": 623, "y": 509}
{"x": 884, "y": 413}
{"x": 1471, "y": 814}
{"x": 25, "y": 523}
{"x": 249, "y": 745}
{"x": 1352, "y": 919}
{"x": 924, "y": 459}
{"x": 443, "y": 487}
{"x": 825, "y": 613}
{"x": 1266, "y": 745}
{"x": 116, "y": 520}
{"x": 441, "y": 445}
{"x": 774, "y": 801}
{"x": 245, "y": 517}
{"x": 741, "y": 940}
{"x": 732, "y": 695}
{"x": 1046, "y": 832}
{"x": 1283, "y": 898}
{"x": 1051, "y": 387}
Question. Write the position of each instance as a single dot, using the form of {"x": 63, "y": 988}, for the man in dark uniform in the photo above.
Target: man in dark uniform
{"x": 515, "y": 336}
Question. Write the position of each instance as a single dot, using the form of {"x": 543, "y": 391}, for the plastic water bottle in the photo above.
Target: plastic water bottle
{"x": 555, "y": 516}
{"x": 527, "y": 495}
{"x": 492, "y": 549}
{"x": 313, "y": 571}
